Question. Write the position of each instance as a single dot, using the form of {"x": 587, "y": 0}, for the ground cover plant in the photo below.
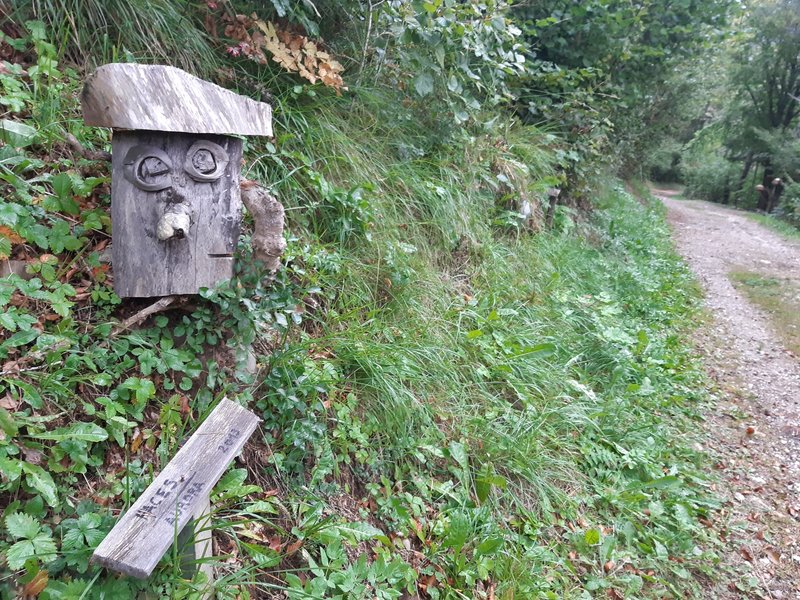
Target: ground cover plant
{"x": 779, "y": 297}
{"x": 458, "y": 400}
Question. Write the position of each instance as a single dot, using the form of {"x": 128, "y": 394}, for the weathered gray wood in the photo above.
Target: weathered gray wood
{"x": 194, "y": 541}
{"x": 142, "y": 536}
{"x": 154, "y": 182}
{"x": 162, "y": 98}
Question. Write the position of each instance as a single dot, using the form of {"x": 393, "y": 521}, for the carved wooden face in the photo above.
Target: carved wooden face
{"x": 176, "y": 211}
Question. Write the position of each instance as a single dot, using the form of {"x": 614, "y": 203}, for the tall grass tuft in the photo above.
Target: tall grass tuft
{"x": 92, "y": 32}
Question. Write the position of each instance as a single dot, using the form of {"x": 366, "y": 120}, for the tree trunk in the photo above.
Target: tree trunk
{"x": 748, "y": 164}
{"x": 766, "y": 187}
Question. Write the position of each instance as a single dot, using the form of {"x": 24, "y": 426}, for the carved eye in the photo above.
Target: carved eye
{"x": 148, "y": 168}
{"x": 205, "y": 161}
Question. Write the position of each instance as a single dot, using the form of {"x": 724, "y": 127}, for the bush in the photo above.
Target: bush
{"x": 789, "y": 209}
{"x": 709, "y": 177}
{"x": 664, "y": 165}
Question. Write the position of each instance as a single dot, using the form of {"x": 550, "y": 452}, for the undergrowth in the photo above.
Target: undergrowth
{"x": 457, "y": 402}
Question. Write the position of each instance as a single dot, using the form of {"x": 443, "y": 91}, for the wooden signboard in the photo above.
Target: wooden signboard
{"x": 175, "y": 199}
{"x": 144, "y": 533}
{"x": 166, "y": 178}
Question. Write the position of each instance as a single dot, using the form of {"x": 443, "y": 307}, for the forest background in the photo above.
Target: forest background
{"x": 473, "y": 371}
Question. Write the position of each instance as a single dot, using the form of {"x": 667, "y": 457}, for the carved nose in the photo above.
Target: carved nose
{"x": 175, "y": 222}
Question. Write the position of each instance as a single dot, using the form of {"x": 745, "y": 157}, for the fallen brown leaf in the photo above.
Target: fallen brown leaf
{"x": 36, "y": 585}
{"x": 773, "y": 555}
{"x": 8, "y": 402}
{"x": 294, "y": 547}
{"x": 137, "y": 440}
{"x": 186, "y": 410}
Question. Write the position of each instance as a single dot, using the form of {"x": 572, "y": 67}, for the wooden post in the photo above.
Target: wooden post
{"x": 194, "y": 542}
{"x": 177, "y": 496}
{"x": 553, "y": 194}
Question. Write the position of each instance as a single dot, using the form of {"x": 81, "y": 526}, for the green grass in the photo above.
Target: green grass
{"x": 473, "y": 406}
{"x": 779, "y": 298}
{"x": 91, "y": 32}
{"x": 782, "y": 227}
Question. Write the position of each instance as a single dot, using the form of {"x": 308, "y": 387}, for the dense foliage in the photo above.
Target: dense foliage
{"x": 460, "y": 396}
{"x": 747, "y": 150}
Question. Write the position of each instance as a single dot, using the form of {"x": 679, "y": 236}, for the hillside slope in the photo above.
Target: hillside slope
{"x": 457, "y": 401}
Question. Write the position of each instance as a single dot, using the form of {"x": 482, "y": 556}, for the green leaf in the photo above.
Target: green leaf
{"x": 22, "y": 338}
{"x": 102, "y": 379}
{"x": 264, "y": 557}
{"x": 11, "y": 468}
{"x": 592, "y": 537}
{"x": 42, "y": 482}
{"x": 458, "y": 533}
{"x": 484, "y": 482}
{"x": 44, "y": 546}
{"x": 459, "y": 453}
{"x": 490, "y": 546}
{"x": 20, "y": 525}
{"x": 19, "y": 554}
{"x": 360, "y": 531}
{"x": 16, "y": 134}
{"x": 62, "y": 185}
{"x": 83, "y": 432}
{"x": 545, "y": 349}
{"x": 7, "y": 423}
{"x": 423, "y": 84}
{"x": 41, "y": 547}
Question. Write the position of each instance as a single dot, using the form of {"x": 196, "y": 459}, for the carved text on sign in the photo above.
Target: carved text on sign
{"x": 171, "y": 499}
{"x": 178, "y": 494}
{"x": 230, "y": 440}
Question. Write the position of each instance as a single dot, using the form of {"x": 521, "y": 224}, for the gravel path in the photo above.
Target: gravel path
{"x": 754, "y": 432}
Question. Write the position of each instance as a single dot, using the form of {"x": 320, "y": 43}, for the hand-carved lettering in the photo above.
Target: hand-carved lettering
{"x": 229, "y": 441}
{"x": 185, "y": 502}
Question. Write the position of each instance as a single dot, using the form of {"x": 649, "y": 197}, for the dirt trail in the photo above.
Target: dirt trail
{"x": 755, "y": 430}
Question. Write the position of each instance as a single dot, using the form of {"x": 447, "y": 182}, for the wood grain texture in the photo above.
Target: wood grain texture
{"x": 162, "y": 98}
{"x": 145, "y": 266}
{"x": 144, "y": 534}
